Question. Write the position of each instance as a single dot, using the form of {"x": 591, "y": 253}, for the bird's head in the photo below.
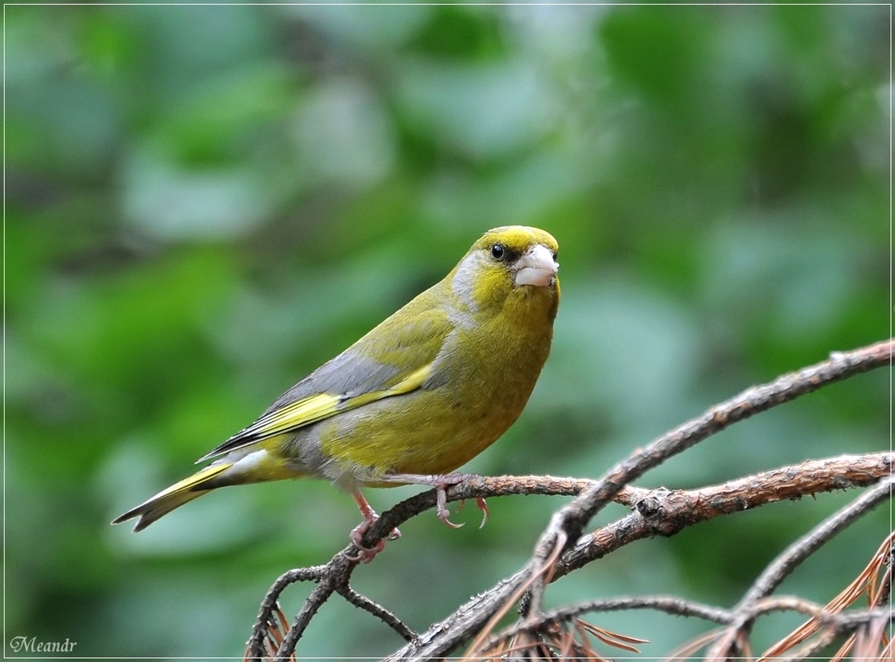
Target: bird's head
{"x": 507, "y": 264}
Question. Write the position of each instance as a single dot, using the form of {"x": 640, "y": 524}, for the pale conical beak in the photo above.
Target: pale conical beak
{"x": 536, "y": 267}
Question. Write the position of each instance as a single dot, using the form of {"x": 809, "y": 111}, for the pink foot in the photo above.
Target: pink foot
{"x": 366, "y": 554}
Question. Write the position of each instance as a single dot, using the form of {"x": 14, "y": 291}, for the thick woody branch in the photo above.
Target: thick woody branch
{"x": 667, "y": 512}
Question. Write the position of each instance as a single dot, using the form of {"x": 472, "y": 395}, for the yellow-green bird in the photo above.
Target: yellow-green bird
{"x": 420, "y": 395}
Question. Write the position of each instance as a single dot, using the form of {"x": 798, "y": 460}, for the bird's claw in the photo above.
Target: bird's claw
{"x": 482, "y": 505}
{"x": 444, "y": 514}
{"x": 440, "y": 483}
{"x": 366, "y": 554}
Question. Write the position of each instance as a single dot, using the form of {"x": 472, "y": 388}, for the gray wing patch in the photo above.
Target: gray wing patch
{"x": 401, "y": 349}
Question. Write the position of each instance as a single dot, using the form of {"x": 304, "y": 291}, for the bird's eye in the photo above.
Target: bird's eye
{"x": 498, "y": 251}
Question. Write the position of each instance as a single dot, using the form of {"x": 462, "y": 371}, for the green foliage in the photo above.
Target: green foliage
{"x": 206, "y": 202}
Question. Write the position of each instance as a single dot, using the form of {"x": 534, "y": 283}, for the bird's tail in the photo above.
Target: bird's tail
{"x": 178, "y": 494}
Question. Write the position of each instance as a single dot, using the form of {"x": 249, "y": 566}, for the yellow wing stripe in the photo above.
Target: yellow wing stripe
{"x": 297, "y": 414}
{"x": 317, "y": 407}
{"x": 412, "y": 381}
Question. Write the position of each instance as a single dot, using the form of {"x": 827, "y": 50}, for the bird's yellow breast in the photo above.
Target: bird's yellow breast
{"x": 481, "y": 382}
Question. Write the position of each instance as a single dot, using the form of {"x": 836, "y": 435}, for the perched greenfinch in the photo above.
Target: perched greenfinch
{"x": 420, "y": 395}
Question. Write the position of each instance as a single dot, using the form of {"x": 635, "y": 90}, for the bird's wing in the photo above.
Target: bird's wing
{"x": 397, "y": 357}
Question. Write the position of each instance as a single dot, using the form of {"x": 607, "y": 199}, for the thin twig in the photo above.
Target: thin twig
{"x": 473, "y": 487}
{"x": 447, "y": 634}
{"x": 838, "y": 623}
{"x": 378, "y": 611}
{"x": 793, "y": 556}
{"x": 862, "y": 584}
{"x": 798, "y": 551}
{"x": 668, "y": 604}
{"x": 318, "y": 596}
{"x": 268, "y": 605}
{"x": 506, "y": 607}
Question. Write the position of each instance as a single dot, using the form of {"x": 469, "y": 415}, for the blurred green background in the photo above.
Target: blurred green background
{"x": 204, "y": 203}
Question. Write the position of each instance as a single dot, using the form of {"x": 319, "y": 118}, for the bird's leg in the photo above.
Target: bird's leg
{"x": 440, "y": 483}
{"x": 366, "y": 554}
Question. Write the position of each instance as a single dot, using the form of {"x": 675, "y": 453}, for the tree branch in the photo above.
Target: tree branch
{"x": 666, "y": 513}
{"x": 560, "y": 548}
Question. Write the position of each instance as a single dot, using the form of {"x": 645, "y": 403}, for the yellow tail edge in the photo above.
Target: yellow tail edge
{"x": 173, "y": 497}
